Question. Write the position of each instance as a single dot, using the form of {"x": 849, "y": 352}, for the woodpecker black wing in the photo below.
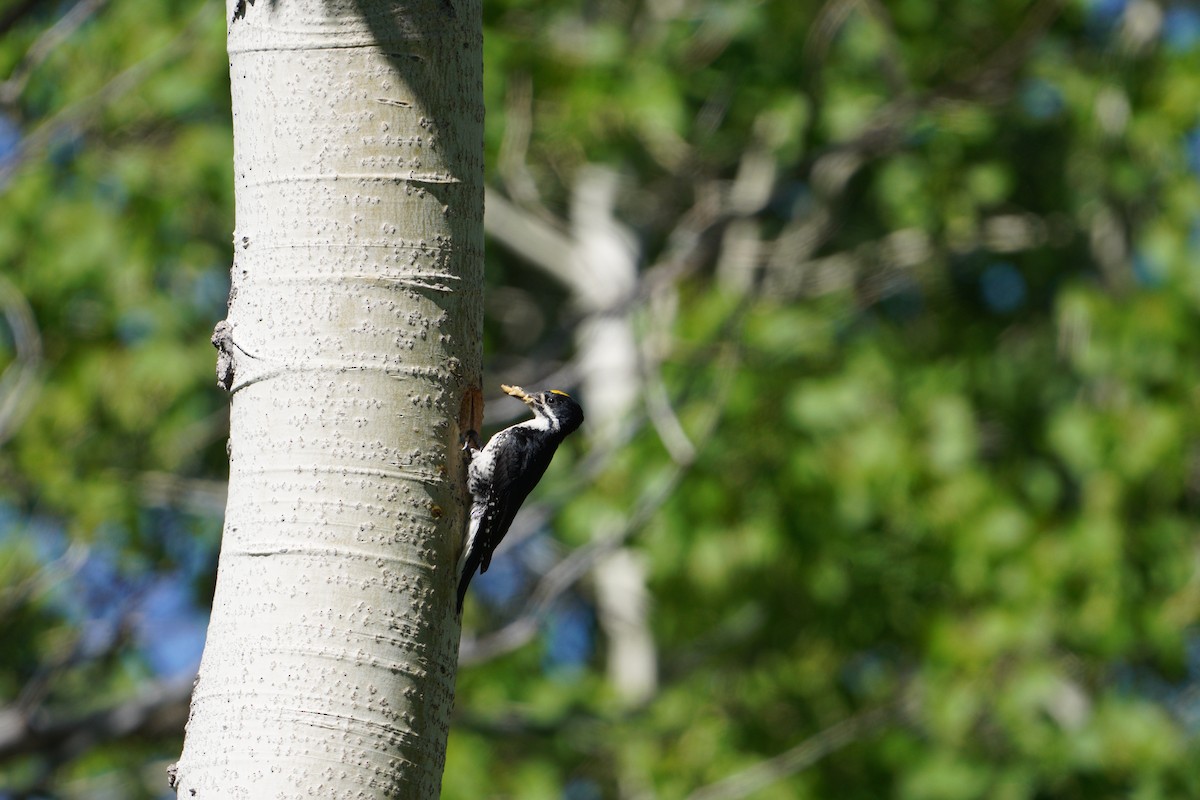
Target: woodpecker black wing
{"x": 519, "y": 461}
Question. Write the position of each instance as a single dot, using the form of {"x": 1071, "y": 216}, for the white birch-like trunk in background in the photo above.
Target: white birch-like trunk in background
{"x": 598, "y": 263}
{"x": 354, "y": 343}
{"x": 606, "y": 252}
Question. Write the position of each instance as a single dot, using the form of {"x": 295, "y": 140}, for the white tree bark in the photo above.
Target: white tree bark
{"x": 352, "y": 350}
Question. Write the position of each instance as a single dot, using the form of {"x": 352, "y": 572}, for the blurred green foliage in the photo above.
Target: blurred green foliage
{"x": 941, "y": 542}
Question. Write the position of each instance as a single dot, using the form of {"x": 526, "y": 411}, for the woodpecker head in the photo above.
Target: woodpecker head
{"x": 561, "y": 414}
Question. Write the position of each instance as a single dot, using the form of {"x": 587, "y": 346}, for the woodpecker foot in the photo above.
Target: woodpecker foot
{"x": 470, "y": 445}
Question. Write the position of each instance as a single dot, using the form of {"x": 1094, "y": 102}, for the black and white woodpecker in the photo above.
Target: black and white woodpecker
{"x": 503, "y": 473}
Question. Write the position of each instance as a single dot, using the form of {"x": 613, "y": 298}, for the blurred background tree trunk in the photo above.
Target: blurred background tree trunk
{"x": 352, "y": 351}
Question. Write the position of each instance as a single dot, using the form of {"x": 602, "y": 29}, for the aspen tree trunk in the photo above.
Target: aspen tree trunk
{"x": 352, "y": 349}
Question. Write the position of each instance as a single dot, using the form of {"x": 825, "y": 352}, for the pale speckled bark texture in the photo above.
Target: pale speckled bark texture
{"x": 352, "y": 349}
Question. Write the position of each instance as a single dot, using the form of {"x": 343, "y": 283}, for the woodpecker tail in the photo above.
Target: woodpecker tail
{"x": 468, "y": 572}
{"x": 471, "y": 554}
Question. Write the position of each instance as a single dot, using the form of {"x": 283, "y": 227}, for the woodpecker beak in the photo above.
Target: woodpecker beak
{"x": 517, "y": 391}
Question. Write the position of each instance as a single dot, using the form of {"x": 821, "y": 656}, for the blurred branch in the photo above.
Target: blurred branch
{"x": 893, "y": 60}
{"x": 739, "y": 255}
{"x": 876, "y": 266}
{"x": 661, "y": 307}
{"x": 20, "y": 379}
{"x": 48, "y": 575}
{"x": 158, "y": 710}
{"x": 518, "y": 127}
{"x": 833, "y": 16}
{"x": 898, "y": 711}
{"x": 994, "y": 73}
{"x": 992, "y": 81}
{"x": 1109, "y": 246}
{"x": 78, "y": 114}
{"x": 26, "y": 726}
{"x": 803, "y": 755}
{"x": 49, "y": 41}
{"x": 665, "y": 421}
{"x": 197, "y": 495}
{"x": 824, "y": 28}
{"x": 541, "y": 244}
{"x": 100, "y": 639}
